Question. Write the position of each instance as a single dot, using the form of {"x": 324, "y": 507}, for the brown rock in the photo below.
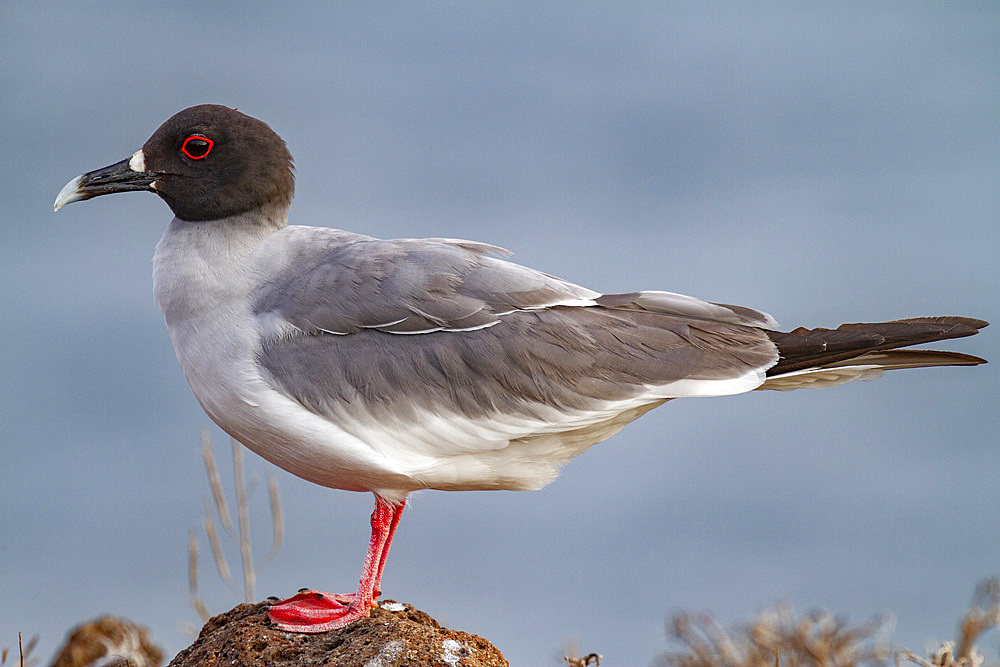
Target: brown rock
{"x": 111, "y": 642}
{"x": 395, "y": 634}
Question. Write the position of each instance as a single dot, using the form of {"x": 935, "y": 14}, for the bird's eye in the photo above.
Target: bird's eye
{"x": 197, "y": 147}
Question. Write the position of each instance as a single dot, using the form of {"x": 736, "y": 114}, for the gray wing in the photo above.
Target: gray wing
{"x": 459, "y": 370}
{"x": 409, "y": 286}
{"x": 400, "y": 329}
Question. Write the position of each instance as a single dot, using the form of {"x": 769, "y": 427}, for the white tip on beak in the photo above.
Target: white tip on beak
{"x": 69, "y": 194}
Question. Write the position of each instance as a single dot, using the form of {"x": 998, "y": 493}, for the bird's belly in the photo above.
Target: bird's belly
{"x": 220, "y": 366}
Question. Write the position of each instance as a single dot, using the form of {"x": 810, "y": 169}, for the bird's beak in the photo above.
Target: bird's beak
{"x": 121, "y": 176}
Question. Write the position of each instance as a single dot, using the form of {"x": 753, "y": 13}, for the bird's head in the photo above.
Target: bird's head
{"x": 207, "y": 162}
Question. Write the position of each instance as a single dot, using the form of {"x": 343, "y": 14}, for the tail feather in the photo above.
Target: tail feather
{"x": 863, "y": 351}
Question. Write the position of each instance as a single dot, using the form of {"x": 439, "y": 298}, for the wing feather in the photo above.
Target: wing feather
{"x": 497, "y": 352}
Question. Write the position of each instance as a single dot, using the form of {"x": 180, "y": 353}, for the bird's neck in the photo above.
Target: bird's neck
{"x": 201, "y": 266}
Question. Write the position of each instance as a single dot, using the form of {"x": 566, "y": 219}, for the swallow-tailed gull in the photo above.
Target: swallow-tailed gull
{"x": 391, "y": 366}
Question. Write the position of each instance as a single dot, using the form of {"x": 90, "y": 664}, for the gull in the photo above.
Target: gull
{"x": 390, "y": 366}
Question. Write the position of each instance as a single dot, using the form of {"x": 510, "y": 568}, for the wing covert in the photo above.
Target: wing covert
{"x": 407, "y": 286}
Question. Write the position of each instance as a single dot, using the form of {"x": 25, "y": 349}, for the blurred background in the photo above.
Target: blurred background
{"x": 827, "y": 163}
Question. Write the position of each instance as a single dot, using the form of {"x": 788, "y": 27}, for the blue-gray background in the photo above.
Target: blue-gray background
{"x": 825, "y": 163}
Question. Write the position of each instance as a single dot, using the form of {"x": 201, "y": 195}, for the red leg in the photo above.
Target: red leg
{"x": 398, "y": 512}
{"x": 314, "y": 611}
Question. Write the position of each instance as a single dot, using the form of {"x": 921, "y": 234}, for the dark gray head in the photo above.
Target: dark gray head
{"x": 206, "y": 162}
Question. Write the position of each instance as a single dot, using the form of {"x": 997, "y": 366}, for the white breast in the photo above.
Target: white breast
{"x": 204, "y": 276}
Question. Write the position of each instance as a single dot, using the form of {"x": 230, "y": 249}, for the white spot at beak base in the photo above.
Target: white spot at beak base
{"x": 137, "y": 162}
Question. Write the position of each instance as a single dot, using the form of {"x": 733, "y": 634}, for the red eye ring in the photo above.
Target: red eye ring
{"x": 200, "y": 150}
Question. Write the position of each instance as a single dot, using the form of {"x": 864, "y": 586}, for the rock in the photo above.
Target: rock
{"x": 110, "y": 642}
{"x": 395, "y": 634}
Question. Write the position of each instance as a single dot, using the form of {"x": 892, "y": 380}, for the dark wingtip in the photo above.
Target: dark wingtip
{"x": 805, "y": 348}
{"x": 959, "y": 326}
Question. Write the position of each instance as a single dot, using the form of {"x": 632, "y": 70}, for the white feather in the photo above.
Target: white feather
{"x": 816, "y": 378}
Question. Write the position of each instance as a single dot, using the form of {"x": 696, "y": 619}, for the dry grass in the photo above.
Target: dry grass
{"x": 983, "y": 614}
{"x": 25, "y": 659}
{"x": 238, "y": 533}
{"x": 589, "y": 660}
{"x": 779, "y": 638}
